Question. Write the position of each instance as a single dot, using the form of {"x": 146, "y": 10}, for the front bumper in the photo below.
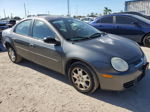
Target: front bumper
{"x": 122, "y": 82}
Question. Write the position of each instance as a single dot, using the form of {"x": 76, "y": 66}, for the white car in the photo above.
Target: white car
{"x": 87, "y": 19}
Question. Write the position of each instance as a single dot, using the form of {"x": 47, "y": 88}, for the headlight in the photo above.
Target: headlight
{"x": 119, "y": 64}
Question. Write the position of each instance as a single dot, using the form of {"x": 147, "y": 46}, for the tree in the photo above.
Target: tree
{"x": 17, "y": 18}
{"x": 107, "y": 11}
{"x": 92, "y": 15}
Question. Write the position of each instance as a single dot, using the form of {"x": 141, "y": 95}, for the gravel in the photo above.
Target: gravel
{"x": 28, "y": 87}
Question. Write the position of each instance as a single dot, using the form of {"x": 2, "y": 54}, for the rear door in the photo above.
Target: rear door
{"x": 125, "y": 27}
{"x": 43, "y": 53}
{"x": 20, "y": 36}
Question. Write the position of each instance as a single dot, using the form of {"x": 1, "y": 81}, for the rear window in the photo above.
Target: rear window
{"x": 124, "y": 20}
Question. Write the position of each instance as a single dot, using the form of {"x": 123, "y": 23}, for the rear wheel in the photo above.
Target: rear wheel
{"x": 146, "y": 41}
{"x": 14, "y": 57}
{"x": 82, "y": 78}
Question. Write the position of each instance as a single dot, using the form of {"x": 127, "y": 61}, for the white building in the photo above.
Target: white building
{"x": 142, "y": 6}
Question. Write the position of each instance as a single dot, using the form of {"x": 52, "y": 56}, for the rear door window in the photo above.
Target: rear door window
{"x": 23, "y": 28}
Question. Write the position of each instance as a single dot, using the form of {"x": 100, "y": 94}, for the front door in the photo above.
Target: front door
{"x": 48, "y": 55}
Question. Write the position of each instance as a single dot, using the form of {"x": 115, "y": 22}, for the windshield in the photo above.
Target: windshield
{"x": 72, "y": 29}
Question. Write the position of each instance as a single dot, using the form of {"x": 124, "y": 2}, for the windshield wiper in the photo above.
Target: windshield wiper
{"x": 78, "y": 38}
{"x": 85, "y": 38}
{"x": 95, "y": 35}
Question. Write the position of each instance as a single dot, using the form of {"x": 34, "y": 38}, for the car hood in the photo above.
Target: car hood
{"x": 110, "y": 46}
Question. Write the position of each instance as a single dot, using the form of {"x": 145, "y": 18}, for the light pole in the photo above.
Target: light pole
{"x": 25, "y": 11}
{"x": 68, "y": 7}
{"x": 11, "y": 15}
{"x": 4, "y": 14}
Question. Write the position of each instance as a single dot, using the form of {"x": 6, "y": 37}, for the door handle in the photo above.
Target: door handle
{"x": 100, "y": 26}
{"x": 117, "y": 27}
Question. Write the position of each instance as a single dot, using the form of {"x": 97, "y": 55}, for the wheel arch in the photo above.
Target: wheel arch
{"x": 73, "y": 60}
{"x": 8, "y": 44}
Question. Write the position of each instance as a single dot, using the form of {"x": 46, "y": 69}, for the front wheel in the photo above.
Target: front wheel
{"x": 146, "y": 41}
{"x": 82, "y": 78}
{"x": 14, "y": 57}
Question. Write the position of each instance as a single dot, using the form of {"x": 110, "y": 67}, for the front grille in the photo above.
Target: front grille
{"x": 131, "y": 83}
{"x": 139, "y": 78}
{"x": 128, "y": 84}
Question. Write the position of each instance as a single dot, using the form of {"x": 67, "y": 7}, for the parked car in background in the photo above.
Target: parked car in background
{"x": 6, "y": 24}
{"x": 11, "y": 23}
{"x": 87, "y": 19}
{"x": 130, "y": 26}
{"x": 135, "y": 13}
{"x": 3, "y": 25}
{"x": 89, "y": 58}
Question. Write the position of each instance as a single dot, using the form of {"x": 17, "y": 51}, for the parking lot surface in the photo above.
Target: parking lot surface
{"x": 28, "y": 87}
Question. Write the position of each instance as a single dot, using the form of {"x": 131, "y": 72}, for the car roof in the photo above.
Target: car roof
{"x": 48, "y": 18}
{"x": 118, "y": 14}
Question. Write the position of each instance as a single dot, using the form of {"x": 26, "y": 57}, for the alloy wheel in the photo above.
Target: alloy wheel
{"x": 12, "y": 55}
{"x": 81, "y": 79}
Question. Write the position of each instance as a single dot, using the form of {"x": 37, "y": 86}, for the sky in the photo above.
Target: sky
{"x": 58, "y": 7}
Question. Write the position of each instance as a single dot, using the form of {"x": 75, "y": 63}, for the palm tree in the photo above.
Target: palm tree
{"x": 107, "y": 11}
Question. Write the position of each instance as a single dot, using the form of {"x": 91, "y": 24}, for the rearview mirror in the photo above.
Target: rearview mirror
{"x": 51, "y": 40}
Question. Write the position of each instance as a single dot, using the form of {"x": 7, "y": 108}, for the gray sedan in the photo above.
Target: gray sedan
{"x": 88, "y": 57}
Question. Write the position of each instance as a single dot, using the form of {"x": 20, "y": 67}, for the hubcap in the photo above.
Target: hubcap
{"x": 81, "y": 79}
{"x": 12, "y": 54}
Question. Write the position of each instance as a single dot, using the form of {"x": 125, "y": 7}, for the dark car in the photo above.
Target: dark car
{"x": 131, "y": 26}
{"x": 3, "y": 25}
{"x": 89, "y": 58}
{"x": 134, "y": 13}
{"x": 6, "y": 24}
{"x": 11, "y": 23}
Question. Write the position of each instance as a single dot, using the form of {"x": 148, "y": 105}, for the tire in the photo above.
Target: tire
{"x": 146, "y": 41}
{"x": 82, "y": 78}
{"x": 14, "y": 57}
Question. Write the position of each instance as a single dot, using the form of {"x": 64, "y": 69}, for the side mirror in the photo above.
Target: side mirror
{"x": 51, "y": 40}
